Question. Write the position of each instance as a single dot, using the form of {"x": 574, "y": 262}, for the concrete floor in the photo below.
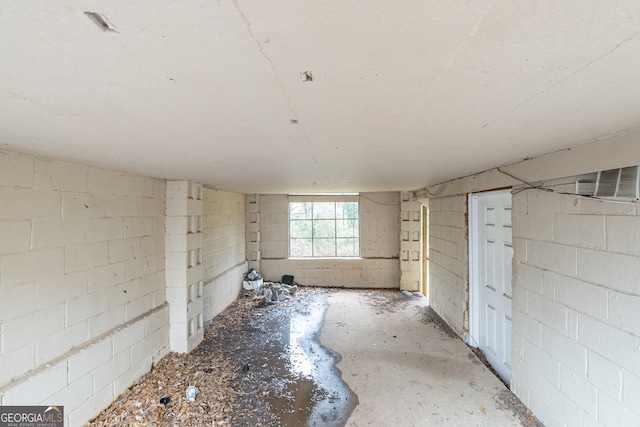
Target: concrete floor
{"x": 406, "y": 369}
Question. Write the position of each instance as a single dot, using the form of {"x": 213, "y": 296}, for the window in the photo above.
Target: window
{"x": 324, "y": 226}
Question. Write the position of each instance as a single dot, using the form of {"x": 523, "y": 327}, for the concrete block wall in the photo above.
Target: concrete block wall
{"x": 576, "y": 305}
{"x": 184, "y": 241}
{"x": 252, "y": 220}
{"x": 83, "y": 311}
{"x": 377, "y": 267}
{"x": 410, "y": 242}
{"x": 448, "y": 260}
{"x": 225, "y": 259}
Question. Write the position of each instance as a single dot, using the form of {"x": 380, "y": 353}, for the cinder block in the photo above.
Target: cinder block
{"x": 30, "y": 266}
{"x": 619, "y": 346}
{"x": 140, "y": 267}
{"x": 58, "y": 289}
{"x": 152, "y": 245}
{"x": 631, "y": 391}
{"x": 87, "y": 306}
{"x": 106, "y": 321}
{"x": 544, "y": 364}
{"x": 16, "y": 236}
{"x": 100, "y": 230}
{"x": 56, "y": 233}
{"x": 553, "y": 314}
{"x": 122, "y": 206}
{"x": 138, "y": 227}
{"x": 145, "y": 349}
{"x": 125, "y": 338}
{"x": 583, "y": 393}
{"x": 609, "y": 270}
{"x": 107, "y": 276}
{"x": 623, "y": 311}
{"x": 85, "y": 205}
{"x": 156, "y": 321}
{"x": 569, "y": 353}
{"x": 20, "y": 203}
{"x": 38, "y": 388}
{"x": 591, "y": 300}
{"x": 88, "y": 359}
{"x": 585, "y": 231}
{"x": 598, "y": 207}
{"x": 54, "y": 175}
{"x": 124, "y": 250}
{"x": 566, "y": 290}
{"x": 194, "y": 241}
{"x": 558, "y": 258}
{"x": 159, "y": 297}
{"x": 138, "y": 186}
{"x": 151, "y": 207}
{"x": 103, "y": 181}
{"x": 54, "y": 345}
{"x": 85, "y": 256}
{"x": 177, "y": 190}
{"x": 124, "y": 292}
{"x": 176, "y": 207}
{"x": 623, "y": 234}
{"x": 17, "y": 362}
{"x": 612, "y": 413}
{"x": 196, "y": 192}
{"x": 75, "y": 394}
{"x": 17, "y": 170}
{"x": 537, "y": 227}
{"x": 138, "y": 306}
{"x": 91, "y": 407}
{"x": 545, "y": 203}
{"x": 159, "y": 189}
{"x": 605, "y": 375}
{"x": 106, "y": 374}
{"x": 17, "y": 300}
{"x": 152, "y": 282}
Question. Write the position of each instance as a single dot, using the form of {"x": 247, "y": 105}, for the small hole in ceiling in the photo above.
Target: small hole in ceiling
{"x": 307, "y": 76}
{"x": 101, "y": 21}
{"x": 293, "y": 121}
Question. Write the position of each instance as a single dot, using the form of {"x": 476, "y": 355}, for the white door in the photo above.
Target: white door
{"x": 491, "y": 254}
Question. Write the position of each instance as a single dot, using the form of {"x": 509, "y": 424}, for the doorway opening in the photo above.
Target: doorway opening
{"x": 490, "y": 290}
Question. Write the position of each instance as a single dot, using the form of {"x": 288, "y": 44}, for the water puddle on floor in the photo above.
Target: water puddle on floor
{"x": 312, "y": 390}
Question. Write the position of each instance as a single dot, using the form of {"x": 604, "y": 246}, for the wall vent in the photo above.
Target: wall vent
{"x": 623, "y": 184}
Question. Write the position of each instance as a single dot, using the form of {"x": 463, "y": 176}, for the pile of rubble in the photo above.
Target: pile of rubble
{"x": 273, "y": 292}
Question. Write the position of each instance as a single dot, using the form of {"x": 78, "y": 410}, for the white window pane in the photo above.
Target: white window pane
{"x": 324, "y": 228}
{"x": 324, "y": 210}
{"x": 300, "y": 248}
{"x": 300, "y": 210}
{"x": 347, "y": 210}
{"x": 324, "y": 247}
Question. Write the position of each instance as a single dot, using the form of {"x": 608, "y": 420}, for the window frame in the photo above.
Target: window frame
{"x": 323, "y": 199}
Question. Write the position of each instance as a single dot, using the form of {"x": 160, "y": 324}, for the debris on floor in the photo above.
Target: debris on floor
{"x": 242, "y": 371}
{"x": 252, "y": 280}
{"x": 272, "y": 292}
{"x": 275, "y": 292}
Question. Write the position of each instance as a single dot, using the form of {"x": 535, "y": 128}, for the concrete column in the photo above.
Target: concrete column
{"x": 184, "y": 267}
{"x": 253, "y": 230}
{"x": 410, "y": 246}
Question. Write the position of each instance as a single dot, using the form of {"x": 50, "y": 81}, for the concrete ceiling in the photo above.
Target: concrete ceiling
{"x": 404, "y": 94}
